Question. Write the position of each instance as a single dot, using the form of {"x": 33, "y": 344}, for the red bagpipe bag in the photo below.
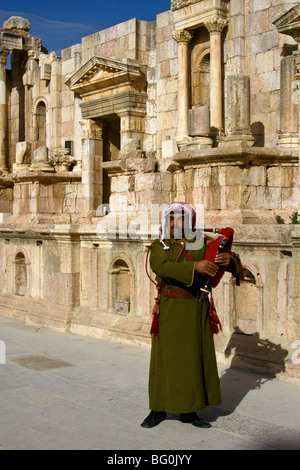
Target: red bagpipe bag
{"x": 222, "y": 244}
{"x": 214, "y": 248}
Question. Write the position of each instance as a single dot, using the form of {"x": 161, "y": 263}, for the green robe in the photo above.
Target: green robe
{"x": 183, "y": 373}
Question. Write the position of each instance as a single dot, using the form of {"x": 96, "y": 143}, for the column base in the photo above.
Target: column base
{"x": 246, "y": 140}
{"x": 288, "y": 140}
{"x": 20, "y": 167}
{"x": 78, "y": 166}
{"x": 194, "y": 143}
{"x": 41, "y": 166}
{"x": 182, "y": 138}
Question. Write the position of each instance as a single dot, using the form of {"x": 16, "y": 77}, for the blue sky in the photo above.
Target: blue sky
{"x": 62, "y": 23}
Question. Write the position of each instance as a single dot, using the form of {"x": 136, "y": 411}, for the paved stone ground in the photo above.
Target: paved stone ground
{"x": 65, "y": 392}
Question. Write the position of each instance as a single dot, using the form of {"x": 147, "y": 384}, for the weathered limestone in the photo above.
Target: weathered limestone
{"x": 289, "y": 114}
{"x": 215, "y": 28}
{"x": 238, "y": 103}
{"x": 17, "y": 22}
{"x": 288, "y": 23}
{"x": 3, "y": 112}
{"x": 92, "y": 151}
{"x": 182, "y": 38}
{"x": 23, "y": 157}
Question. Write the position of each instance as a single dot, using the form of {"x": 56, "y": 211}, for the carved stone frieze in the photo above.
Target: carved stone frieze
{"x": 177, "y": 4}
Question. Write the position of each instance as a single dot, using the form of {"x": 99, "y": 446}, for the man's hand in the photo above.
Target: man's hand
{"x": 222, "y": 259}
{"x": 206, "y": 267}
{"x": 211, "y": 268}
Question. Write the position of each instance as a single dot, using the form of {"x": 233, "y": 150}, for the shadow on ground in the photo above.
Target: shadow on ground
{"x": 250, "y": 352}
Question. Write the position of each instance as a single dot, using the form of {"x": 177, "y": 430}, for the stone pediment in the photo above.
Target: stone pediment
{"x": 100, "y": 73}
{"x": 288, "y": 22}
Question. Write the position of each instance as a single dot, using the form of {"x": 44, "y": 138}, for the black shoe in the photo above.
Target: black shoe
{"x": 194, "y": 420}
{"x": 153, "y": 419}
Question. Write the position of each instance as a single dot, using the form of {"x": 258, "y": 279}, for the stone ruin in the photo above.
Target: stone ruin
{"x": 202, "y": 106}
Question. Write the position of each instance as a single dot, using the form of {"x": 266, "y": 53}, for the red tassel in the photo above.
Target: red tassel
{"x": 215, "y": 324}
{"x": 155, "y": 314}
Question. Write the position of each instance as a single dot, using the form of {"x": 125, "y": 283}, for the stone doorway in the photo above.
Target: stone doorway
{"x": 111, "y": 147}
{"x": 40, "y": 124}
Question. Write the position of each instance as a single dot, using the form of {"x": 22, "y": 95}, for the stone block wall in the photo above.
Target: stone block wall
{"x": 6, "y": 200}
{"x": 167, "y": 70}
{"x": 254, "y": 48}
{"x": 47, "y": 202}
{"x": 68, "y": 278}
{"x": 268, "y": 192}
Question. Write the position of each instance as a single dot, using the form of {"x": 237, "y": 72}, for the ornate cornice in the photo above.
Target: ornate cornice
{"x": 178, "y": 4}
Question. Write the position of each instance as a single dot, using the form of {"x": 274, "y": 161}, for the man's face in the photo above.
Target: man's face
{"x": 177, "y": 225}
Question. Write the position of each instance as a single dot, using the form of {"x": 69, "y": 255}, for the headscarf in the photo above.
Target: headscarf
{"x": 188, "y": 210}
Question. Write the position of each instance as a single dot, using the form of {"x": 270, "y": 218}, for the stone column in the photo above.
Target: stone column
{"x": 92, "y": 156}
{"x": 288, "y": 136}
{"x": 238, "y": 112}
{"x": 28, "y": 82}
{"x": 296, "y": 99}
{"x": 3, "y": 112}
{"x": 183, "y": 37}
{"x": 215, "y": 28}
{"x": 132, "y": 129}
{"x": 132, "y": 126}
{"x": 55, "y": 106}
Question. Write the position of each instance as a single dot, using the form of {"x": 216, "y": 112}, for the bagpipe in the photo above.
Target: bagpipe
{"x": 222, "y": 244}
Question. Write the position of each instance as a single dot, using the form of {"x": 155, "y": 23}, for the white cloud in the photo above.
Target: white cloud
{"x": 54, "y": 34}
{"x": 39, "y": 22}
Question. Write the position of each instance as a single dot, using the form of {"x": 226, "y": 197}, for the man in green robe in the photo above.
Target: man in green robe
{"x": 183, "y": 376}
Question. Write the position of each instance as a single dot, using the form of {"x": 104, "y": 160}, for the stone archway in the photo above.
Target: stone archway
{"x": 121, "y": 289}
{"x": 248, "y": 302}
{"x": 21, "y": 275}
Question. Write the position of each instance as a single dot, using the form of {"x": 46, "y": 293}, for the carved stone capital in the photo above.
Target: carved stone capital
{"x": 3, "y": 55}
{"x": 33, "y": 55}
{"x": 216, "y": 25}
{"x": 182, "y": 36}
{"x": 90, "y": 130}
